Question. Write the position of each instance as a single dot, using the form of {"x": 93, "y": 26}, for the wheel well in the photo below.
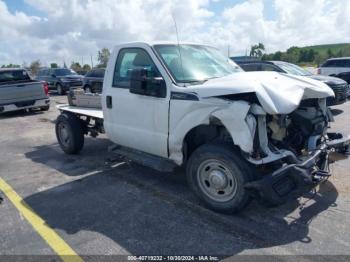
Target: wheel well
{"x": 204, "y": 134}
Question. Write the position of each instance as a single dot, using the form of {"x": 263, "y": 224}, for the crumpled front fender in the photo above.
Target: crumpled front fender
{"x": 233, "y": 115}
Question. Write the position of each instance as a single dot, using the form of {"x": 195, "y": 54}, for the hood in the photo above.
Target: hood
{"x": 277, "y": 93}
{"x": 329, "y": 80}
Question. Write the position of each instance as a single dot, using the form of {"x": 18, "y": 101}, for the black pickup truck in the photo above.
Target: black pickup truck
{"x": 93, "y": 80}
{"x": 60, "y": 79}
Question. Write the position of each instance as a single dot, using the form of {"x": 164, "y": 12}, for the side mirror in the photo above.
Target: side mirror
{"x": 53, "y": 75}
{"x": 143, "y": 83}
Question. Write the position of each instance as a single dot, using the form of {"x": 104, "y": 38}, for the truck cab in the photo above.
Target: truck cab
{"x": 240, "y": 135}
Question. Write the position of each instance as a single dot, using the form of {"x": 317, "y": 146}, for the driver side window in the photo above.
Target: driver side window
{"x": 129, "y": 59}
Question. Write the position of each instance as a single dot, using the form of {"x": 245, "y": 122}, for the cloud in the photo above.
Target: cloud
{"x": 73, "y": 29}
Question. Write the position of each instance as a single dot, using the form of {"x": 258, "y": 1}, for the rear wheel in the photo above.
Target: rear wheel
{"x": 69, "y": 133}
{"x": 217, "y": 175}
{"x": 60, "y": 90}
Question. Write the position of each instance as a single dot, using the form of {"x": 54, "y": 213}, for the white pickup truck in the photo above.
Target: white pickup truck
{"x": 240, "y": 135}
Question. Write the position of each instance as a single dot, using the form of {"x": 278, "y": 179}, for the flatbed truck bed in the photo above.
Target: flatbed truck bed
{"x": 82, "y": 111}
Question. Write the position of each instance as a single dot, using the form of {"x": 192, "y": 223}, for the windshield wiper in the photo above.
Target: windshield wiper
{"x": 198, "y": 81}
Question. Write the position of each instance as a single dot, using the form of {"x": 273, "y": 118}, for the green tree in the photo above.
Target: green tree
{"x": 54, "y": 65}
{"x": 292, "y": 55}
{"x": 330, "y": 53}
{"x": 11, "y": 66}
{"x": 34, "y": 67}
{"x": 303, "y": 56}
{"x": 75, "y": 66}
{"x": 339, "y": 53}
{"x": 86, "y": 67}
{"x": 257, "y": 50}
{"x": 310, "y": 57}
{"x": 346, "y": 51}
{"x": 320, "y": 58}
{"x": 266, "y": 57}
{"x": 277, "y": 56}
{"x": 103, "y": 56}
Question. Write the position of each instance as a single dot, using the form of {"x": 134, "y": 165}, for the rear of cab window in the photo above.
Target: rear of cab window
{"x": 129, "y": 59}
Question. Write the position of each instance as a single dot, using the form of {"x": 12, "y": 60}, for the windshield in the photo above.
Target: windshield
{"x": 195, "y": 63}
{"x": 14, "y": 75}
{"x": 64, "y": 72}
{"x": 293, "y": 69}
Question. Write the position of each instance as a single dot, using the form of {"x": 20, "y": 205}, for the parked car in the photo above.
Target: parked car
{"x": 18, "y": 91}
{"x": 93, "y": 81}
{"x": 60, "y": 79}
{"x": 340, "y": 87}
{"x": 240, "y": 135}
{"x": 339, "y": 67}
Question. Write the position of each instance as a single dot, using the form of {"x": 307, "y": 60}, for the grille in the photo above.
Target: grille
{"x": 341, "y": 91}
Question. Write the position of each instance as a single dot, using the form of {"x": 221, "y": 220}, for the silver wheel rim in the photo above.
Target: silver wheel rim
{"x": 63, "y": 134}
{"x": 59, "y": 89}
{"x": 216, "y": 181}
{"x": 88, "y": 90}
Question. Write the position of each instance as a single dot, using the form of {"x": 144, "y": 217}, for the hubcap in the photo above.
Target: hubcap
{"x": 63, "y": 134}
{"x": 216, "y": 180}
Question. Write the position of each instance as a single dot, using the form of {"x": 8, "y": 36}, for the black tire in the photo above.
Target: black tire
{"x": 45, "y": 108}
{"x": 88, "y": 89}
{"x": 71, "y": 139}
{"x": 59, "y": 89}
{"x": 238, "y": 170}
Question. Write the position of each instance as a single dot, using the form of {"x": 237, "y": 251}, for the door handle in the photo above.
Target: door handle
{"x": 109, "y": 101}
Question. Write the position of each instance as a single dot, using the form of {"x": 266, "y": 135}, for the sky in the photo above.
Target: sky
{"x": 74, "y": 30}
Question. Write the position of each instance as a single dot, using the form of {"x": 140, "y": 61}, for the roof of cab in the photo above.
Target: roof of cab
{"x": 153, "y": 43}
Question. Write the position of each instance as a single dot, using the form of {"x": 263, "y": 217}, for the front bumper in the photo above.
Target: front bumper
{"x": 293, "y": 180}
{"x": 68, "y": 84}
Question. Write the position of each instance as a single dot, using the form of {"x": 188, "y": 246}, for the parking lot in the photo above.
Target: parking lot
{"x": 100, "y": 204}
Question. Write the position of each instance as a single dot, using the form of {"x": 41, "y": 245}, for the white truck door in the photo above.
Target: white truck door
{"x": 138, "y": 121}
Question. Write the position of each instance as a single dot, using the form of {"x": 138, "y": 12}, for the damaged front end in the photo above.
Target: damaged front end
{"x": 292, "y": 151}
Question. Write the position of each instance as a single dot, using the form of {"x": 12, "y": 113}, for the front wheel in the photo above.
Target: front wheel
{"x": 60, "y": 90}
{"x": 217, "y": 175}
{"x": 69, "y": 133}
{"x": 88, "y": 89}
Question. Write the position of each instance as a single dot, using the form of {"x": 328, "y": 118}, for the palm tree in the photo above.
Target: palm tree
{"x": 257, "y": 50}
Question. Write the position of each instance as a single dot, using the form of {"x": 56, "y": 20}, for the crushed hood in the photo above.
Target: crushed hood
{"x": 277, "y": 93}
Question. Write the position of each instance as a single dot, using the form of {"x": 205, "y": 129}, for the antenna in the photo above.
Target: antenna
{"x": 178, "y": 46}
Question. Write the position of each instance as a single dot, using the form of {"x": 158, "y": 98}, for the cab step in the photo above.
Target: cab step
{"x": 142, "y": 158}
